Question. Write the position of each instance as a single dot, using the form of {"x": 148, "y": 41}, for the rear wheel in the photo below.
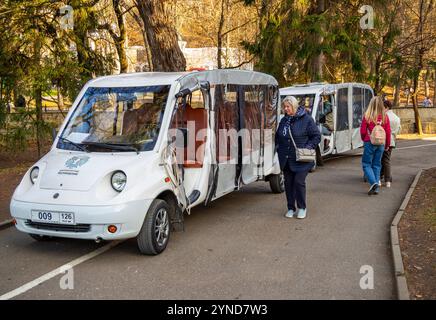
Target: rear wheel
{"x": 277, "y": 183}
{"x": 319, "y": 159}
{"x": 313, "y": 169}
{"x": 155, "y": 232}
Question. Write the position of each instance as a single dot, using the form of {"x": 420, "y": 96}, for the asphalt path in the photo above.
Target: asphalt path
{"x": 240, "y": 247}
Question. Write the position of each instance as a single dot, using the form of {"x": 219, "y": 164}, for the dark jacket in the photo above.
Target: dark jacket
{"x": 306, "y": 135}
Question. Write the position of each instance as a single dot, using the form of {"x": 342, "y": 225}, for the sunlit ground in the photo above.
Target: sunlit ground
{"x": 414, "y": 136}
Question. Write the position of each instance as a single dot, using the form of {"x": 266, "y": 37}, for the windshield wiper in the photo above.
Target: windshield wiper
{"x": 121, "y": 147}
{"x": 77, "y": 145}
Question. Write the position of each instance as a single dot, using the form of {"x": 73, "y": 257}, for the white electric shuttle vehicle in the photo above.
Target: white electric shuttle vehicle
{"x": 338, "y": 111}
{"x": 136, "y": 151}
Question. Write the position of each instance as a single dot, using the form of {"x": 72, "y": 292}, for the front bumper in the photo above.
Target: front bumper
{"x": 127, "y": 217}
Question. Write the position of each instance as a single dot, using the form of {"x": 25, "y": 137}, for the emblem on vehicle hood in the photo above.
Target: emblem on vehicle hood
{"x": 76, "y": 162}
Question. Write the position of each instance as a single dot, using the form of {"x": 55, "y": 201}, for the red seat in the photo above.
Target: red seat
{"x": 199, "y": 117}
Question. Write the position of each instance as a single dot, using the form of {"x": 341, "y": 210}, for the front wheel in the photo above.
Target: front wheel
{"x": 155, "y": 232}
{"x": 277, "y": 183}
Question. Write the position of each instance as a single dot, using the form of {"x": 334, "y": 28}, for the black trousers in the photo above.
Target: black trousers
{"x": 295, "y": 187}
{"x": 386, "y": 165}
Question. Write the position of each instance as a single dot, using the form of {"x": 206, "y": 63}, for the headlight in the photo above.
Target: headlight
{"x": 118, "y": 181}
{"x": 34, "y": 174}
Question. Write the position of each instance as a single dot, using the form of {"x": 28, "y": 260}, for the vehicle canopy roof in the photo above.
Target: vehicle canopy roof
{"x": 227, "y": 76}
{"x": 186, "y": 79}
{"x": 317, "y": 88}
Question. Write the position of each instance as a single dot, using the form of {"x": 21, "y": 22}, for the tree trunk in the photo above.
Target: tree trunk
{"x": 81, "y": 41}
{"x": 419, "y": 55}
{"x": 418, "y": 123}
{"x": 397, "y": 85}
{"x": 377, "y": 75}
{"x": 39, "y": 120}
{"x": 317, "y": 62}
{"x": 426, "y": 85}
{"x": 120, "y": 41}
{"x": 60, "y": 99}
{"x": 220, "y": 37}
{"x": 140, "y": 23}
{"x": 263, "y": 13}
{"x": 37, "y": 94}
{"x": 161, "y": 35}
{"x": 397, "y": 93}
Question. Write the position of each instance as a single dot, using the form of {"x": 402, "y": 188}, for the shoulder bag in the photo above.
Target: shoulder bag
{"x": 303, "y": 154}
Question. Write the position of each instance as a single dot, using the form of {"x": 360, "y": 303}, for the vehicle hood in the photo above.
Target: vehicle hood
{"x": 81, "y": 171}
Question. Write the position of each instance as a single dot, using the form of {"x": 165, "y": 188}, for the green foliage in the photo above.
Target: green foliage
{"x": 37, "y": 56}
{"x": 20, "y": 130}
{"x": 297, "y": 33}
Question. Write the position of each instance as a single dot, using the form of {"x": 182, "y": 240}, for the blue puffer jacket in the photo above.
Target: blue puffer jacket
{"x": 306, "y": 135}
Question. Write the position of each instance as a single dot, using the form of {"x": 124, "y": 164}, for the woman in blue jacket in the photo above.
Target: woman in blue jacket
{"x": 306, "y": 135}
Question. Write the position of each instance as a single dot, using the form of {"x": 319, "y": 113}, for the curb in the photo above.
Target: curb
{"x": 6, "y": 224}
{"x": 400, "y": 277}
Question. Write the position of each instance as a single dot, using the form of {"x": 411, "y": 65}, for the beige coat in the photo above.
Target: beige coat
{"x": 395, "y": 124}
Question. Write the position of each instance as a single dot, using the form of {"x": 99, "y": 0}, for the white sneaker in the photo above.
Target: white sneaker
{"x": 379, "y": 183}
{"x": 301, "y": 213}
{"x": 388, "y": 184}
{"x": 290, "y": 214}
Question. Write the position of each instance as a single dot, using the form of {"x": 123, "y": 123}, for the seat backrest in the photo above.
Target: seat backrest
{"x": 130, "y": 122}
{"x": 199, "y": 118}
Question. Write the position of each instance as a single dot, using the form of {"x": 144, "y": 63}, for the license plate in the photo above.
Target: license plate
{"x": 52, "y": 217}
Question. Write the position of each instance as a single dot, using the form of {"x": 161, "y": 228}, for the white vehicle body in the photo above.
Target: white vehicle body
{"x": 349, "y": 102}
{"x": 73, "y": 194}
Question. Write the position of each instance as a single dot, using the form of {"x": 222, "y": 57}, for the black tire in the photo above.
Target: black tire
{"x": 277, "y": 183}
{"x": 39, "y": 237}
{"x": 155, "y": 232}
{"x": 319, "y": 159}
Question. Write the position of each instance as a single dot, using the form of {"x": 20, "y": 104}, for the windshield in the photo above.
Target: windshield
{"x": 122, "y": 119}
{"x": 305, "y": 100}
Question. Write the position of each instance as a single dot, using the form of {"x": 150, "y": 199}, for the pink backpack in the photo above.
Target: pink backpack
{"x": 378, "y": 135}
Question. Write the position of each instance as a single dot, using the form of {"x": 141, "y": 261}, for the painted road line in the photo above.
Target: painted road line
{"x": 360, "y": 153}
{"x": 6, "y": 224}
{"x": 419, "y": 146}
{"x": 58, "y": 271}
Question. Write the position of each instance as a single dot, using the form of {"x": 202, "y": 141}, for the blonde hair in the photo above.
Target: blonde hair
{"x": 375, "y": 109}
{"x": 292, "y": 101}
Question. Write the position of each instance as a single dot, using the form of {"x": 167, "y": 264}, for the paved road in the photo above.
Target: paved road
{"x": 242, "y": 247}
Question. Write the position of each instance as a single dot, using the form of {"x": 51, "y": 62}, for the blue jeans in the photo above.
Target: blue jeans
{"x": 295, "y": 187}
{"x": 371, "y": 162}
